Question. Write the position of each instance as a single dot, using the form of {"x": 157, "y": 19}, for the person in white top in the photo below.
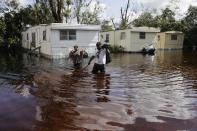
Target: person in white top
{"x": 100, "y": 61}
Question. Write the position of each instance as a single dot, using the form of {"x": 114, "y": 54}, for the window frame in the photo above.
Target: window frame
{"x": 68, "y": 35}
{"x": 158, "y": 37}
{"x": 107, "y": 38}
{"x": 174, "y": 37}
{"x": 142, "y": 35}
{"x": 72, "y": 36}
{"x": 33, "y": 41}
{"x": 44, "y": 35}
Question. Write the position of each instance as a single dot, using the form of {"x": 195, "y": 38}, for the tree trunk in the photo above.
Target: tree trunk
{"x": 56, "y": 9}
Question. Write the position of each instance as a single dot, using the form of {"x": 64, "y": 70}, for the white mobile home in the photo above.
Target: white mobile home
{"x": 132, "y": 40}
{"x": 57, "y": 39}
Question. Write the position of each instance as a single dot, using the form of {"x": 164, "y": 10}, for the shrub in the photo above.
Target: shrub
{"x": 116, "y": 49}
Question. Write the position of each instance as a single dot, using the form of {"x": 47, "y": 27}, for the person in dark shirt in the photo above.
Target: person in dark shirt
{"x": 76, "y": 55}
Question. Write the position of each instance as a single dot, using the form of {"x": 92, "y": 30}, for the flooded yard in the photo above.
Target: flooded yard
{"x": 138, "y": 92}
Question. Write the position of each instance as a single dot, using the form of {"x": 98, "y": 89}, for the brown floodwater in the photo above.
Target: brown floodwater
{"x": 137, "y": 93}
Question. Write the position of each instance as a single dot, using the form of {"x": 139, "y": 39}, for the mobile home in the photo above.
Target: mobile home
{"x": 132, "y": 40}
{"x": 57, "y": 39}
{"x": 170, "y": 40}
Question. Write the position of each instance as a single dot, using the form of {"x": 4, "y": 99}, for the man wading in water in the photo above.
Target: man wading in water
{"x": 100, "y": 61}
{"x": 76, "y": 55}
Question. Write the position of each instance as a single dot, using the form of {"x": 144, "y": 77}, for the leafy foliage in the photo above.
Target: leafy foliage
{"x": 2, "y": 30}
{"x": 191, "y": 23}
{"x": 125, "y": 17}
{"x": 105, "y": 26}
{"x": 116, "y": 49}
{"x": 145, "y": 19}
{"x": 88, "y": 12}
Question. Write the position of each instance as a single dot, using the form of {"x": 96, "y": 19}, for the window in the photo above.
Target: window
{"x": 63, "y": 35}
{"x": 158, "y": 37}
{"x": 107, "y": 38}
{"x": 72, "y": 34}
{"x": 173, "y": 37}
{"x": 67, "y": 34}
{"x": 44, "y": 35}
{"x": 33, "y": 43}
{"x": 27, "y": 36}
{"x": 142, "y": 35}
{"x": 123, "y": 36}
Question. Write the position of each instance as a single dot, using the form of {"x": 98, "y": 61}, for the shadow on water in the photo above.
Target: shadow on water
{"x": 10, "y": 63}
{"x": 139, "y": 92}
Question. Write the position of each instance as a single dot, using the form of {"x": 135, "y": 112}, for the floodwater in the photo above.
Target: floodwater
{"x": 138, "y": 93}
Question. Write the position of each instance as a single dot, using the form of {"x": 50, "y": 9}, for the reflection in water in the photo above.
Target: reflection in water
{"x": 58, "y": 111}
{"x": 102, "y": 87}
{"x": 138, "y": 93}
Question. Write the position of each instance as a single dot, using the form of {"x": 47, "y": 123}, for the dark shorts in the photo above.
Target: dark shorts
{"x": 77, "y": 65}
{"x": 77, "y": 62}
{"x": 97, "y": 68}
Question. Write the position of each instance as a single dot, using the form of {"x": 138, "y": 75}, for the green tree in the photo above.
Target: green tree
{"x": 27, "y": 15}
{"x": 11, "y": 5}
{"x": 41, "y": 12}
{"x": 2, "y": 30}
{"x": 78, "y": 9}
{"x": 105, "y": 26}
{"x": 67, "y": 10}
{"x": 57, "y": 7}
{"x": 125, "y": 17}
{"x": 13, "y": 29}
{"x": 12, "y": 24}
{"x": 191, "y": 24}
{"x": 145, "y": 19}
{"x": 38, "y": 13}
{"x": 91, "y": 16}
{"x": 191, "y": 17}
{"x": 167, "y": 20}
{"x": 78, "y": 6}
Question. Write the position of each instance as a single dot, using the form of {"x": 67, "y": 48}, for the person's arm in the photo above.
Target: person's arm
{"x": 91, "y": 58}
{"x": 70, "y": 54}
{"x": 81, "y": 54}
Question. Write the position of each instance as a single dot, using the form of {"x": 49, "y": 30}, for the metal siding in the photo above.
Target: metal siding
{"x": 84, "y": 39}
{"x": 174, "y": 44}
{"x": 137, "y": 44}
{"x": 131, "y": 43}
{"x": 45, "y": 45}
{"x": 111, "y": 37}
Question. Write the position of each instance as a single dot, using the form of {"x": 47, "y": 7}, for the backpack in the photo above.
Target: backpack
{"x": 108, "y": 56}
